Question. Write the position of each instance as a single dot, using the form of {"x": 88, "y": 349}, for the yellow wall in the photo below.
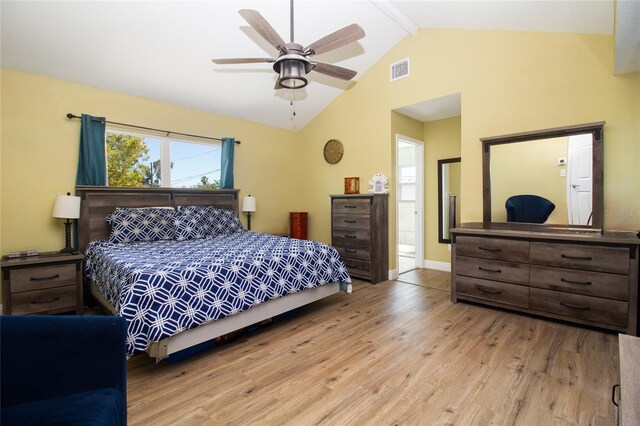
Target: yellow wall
{"x": 509, "y": 82}
{"x": 40, "y": 154}
{"x": 442, "y": 140}
{"x": 538, "y": 174}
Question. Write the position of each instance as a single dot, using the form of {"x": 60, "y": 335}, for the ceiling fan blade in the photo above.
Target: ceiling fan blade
{"x": 262, "y": 27}
{"x": 339, "y": 38}
{"x": 242, "y": 61}
{"x": 333, "y": 71}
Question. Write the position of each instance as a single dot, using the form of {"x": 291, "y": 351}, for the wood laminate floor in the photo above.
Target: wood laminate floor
{"x": 398, "y": 352}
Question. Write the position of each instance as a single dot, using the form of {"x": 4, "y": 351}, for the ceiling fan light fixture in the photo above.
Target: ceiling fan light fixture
{"x": 292, "y": 74}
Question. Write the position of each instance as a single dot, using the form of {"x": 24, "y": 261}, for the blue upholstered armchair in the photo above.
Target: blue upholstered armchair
{"x": 67, "y": 370}
{"x": 528, "y": 208}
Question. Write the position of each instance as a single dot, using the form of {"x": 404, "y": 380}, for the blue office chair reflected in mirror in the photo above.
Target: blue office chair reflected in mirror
{"x": 528, "y": 209}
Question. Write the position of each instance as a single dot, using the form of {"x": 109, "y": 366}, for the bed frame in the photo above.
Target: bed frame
{"x": 97, "y": 202}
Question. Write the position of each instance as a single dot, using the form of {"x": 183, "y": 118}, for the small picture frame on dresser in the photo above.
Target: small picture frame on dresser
{"x": 352, "y": 185}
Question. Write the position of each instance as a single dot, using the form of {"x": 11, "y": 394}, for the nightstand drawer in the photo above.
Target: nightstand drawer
{"x": 34, "y": 302}
{"x": 351, "y": 221}
{"x": 29, "y": 279}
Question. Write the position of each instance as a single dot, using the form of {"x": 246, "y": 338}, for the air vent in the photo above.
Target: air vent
{"x": 400, "y": 69}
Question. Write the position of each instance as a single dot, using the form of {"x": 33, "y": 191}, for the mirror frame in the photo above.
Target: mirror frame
{"x": 597, "y": 202}
{"x": 441, "y": 217}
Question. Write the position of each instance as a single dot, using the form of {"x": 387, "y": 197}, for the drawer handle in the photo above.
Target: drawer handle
{"x": 346, "y": 206}
{"x": 564, "y": 280}
{"x": 566, "y": 256}
{"x": 52, "y": 277}
{"x": 350, "y": 221}
{"x": 572, "y": 306}
{"x": 53, "y": 299}
{"x": 613, "y": 395}
{"x": 497, "y": 271}
{"x": 489, "y": 249}
{"x": 350, "y": 251}
{"x": 487, "y": 290}
{"x": 351, "y": 236}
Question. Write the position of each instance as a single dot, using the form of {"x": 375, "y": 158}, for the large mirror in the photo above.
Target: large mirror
{"x": 551, "y": 177}
{"x": 448, "y": 197}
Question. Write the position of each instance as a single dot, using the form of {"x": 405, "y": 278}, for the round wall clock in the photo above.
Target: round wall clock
{"x": 333, "y": 151}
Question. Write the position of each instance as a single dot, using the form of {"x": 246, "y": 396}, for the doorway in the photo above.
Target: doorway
{"x": 579, "y": 179}
{"x": 409, "y": 203}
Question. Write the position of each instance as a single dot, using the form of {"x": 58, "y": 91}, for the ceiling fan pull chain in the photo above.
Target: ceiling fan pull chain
{"x": 293, "y": 101}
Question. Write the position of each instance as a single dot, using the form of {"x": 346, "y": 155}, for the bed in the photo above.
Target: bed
{"x": 177, "y": 293}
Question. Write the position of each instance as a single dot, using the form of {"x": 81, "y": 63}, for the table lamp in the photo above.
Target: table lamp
{"x": 67, "y": 207}
{"x": 249, "y": 206}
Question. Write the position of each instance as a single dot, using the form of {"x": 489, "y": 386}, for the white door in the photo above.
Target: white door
{"x": 579, "y": 179}
{"x": 409, "y": 203}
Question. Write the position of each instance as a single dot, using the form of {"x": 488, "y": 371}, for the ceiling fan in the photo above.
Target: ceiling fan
{"x": 292, "y": 63}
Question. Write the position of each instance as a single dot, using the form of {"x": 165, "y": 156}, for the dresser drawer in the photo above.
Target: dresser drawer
{"x": 358, "y": 268}
{"x": 29, "y": 279}
{"x": 497, "y": 270}
{"x": 351, "y": 221}
{"x": 599, "y": 284}
{"x": 508, "y": 294}
{"x": 351, "y": 205}
{"x": 593, "y": 258}
{"x": 350, "y": 251}
{"x": 354, "y": 236}
{"x": 33, "y": 302}
{"x": 493, "y": 248}
{"x": 611, "y": 312}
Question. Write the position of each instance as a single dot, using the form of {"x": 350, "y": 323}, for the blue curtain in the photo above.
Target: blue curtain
{"x": 226, "y": 174}
{"x": 92, "y": 161}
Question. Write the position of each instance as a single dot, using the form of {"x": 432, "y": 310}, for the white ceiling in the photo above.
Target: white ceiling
{"x": 162, "y": 49}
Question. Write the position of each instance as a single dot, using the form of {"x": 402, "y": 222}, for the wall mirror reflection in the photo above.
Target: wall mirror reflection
{"x": 448, "y": 197}
{"x": 551, "y": 177}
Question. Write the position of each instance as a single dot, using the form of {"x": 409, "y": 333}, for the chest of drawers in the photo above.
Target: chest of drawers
{"x": 46, "y": 284}
{"x": 587, "y": 279}
{"x": 360, "y": 233}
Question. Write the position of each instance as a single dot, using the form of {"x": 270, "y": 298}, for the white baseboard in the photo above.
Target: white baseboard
{"x": 439, "y": 266}
{"x": 393, "y": 274}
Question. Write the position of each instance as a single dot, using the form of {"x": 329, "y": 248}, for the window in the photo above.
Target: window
{"x": 135, "y": 159}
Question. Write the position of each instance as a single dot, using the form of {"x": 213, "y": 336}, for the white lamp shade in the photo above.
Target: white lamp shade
{"x": 249, "y": 204}
{"x": 67, "y": 207}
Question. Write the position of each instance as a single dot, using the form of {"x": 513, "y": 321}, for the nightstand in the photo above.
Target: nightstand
{"x": 49, "y": 283}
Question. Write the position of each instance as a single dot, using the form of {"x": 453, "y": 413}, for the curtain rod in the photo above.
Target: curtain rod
{"x": 168, "y": 132}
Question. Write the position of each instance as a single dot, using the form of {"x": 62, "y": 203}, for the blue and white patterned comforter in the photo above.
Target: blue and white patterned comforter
{"x": 164, "y": 287}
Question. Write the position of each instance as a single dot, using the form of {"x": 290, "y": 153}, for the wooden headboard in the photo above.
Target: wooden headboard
{"x": 97, "y": 202}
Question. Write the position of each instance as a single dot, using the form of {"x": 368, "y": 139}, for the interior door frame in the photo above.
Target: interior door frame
{"x": 420, "y": 184}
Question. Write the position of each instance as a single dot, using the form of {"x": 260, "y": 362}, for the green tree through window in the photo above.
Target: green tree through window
{"x": 126, "y": 156}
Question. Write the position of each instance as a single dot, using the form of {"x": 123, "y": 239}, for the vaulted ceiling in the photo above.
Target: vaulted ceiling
{"x": 163, "y": 50}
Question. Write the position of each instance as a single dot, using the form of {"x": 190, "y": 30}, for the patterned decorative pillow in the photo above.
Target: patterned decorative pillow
{"x": 189, "y": 226}
{"x": 214, "y": 222}
{"x": 145, "y": 224}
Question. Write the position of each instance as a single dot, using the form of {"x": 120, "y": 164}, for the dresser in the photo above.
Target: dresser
{"x": 360, "y": 233}
{"x": 46, "y": 284}
{"x": 585, "y": 278}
